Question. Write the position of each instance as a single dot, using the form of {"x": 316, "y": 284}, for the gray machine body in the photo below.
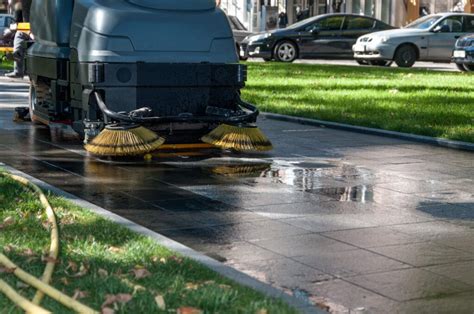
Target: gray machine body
{"x": 176, "y": 57}
{"x": 155, "y": 31}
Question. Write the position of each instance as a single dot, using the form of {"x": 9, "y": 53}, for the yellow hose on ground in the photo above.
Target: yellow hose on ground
{"x": 54, "y": 248}
{"x": 47, "y": 289}
{"x": 42, "y": 285}
{"x": 22, "y": 302}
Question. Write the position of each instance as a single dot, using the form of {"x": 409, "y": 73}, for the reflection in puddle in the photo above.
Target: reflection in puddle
{"x": 247, "y": 171}
{"x": 357, "y": 194}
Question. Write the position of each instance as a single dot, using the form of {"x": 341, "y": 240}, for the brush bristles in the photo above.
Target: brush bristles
{"x": 238, "y": 138}
{"x": 132, "y": 142}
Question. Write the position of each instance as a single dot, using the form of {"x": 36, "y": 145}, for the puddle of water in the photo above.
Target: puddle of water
{"x": 356, "y": 194}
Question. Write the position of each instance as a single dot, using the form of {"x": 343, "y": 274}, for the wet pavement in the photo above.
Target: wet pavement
{"x": 355, "y": 222}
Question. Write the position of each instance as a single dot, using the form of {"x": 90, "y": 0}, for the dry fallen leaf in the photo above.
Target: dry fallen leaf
{"x": 140, "y": 273}
{"x": 28, "y": 252}
{"x": 5, "y": 270}
{"x": 83, "y": 270}
{"x": 178, "y": 260}
{"x": 102, "y": 272}
{"x": 160, "y": 301}
{"x": 114, "y": 249}
{"x": 192, "y": 286}
{"x": 188, "y": 310}
{"x": 64, "y": 281}
{"x": 262, "y": 311}
{"x": 107, "y": 310}
{"x": 7, "y": 222}
{"x": 72, "y": 266}
{"x": 225, "y": 287}
{"x": 8, "y": 248}
{"x": 78, "y": 294}
{"x": 117, "y": 298}
{"x": 49, "y": 259}
{"x": 209, "y": 282}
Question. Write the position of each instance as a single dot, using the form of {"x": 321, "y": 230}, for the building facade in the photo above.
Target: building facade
{"x": 260, "y": 15}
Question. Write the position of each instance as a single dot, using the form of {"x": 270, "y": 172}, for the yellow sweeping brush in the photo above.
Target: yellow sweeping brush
{"x": 120, "y": 141}
{"x": 238, "y": 138}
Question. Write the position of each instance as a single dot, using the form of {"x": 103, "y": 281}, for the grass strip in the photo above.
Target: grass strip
{"x": 431, "y": 103}
{"x": 108, "y": 267}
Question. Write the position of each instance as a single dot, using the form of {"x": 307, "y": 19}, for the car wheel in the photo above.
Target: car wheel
{"x": 362, "y": 62}
{"x": 405, "y": 56}
{"x": 469, "y": 67}
{"x": 380, "y": 63}
{"x": 286, "y": 51}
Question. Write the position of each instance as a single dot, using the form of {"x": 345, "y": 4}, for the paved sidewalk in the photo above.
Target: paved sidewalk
{"x": 355, "y": 222}
{"x": 430, "y": 66}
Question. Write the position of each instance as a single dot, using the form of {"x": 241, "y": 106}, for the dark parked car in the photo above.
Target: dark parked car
{"x": 328, "y": 35}
{"x": 240, "y": 33}
{"x": 463, "y": 54}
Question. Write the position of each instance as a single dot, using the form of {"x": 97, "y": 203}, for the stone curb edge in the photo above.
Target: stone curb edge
{"x": 214, "y": 265}
{"x": 365, "y": 130}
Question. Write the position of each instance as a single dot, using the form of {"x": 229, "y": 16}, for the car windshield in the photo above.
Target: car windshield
{"x": 303, "y": 23}
{"x": 424, "y": 22}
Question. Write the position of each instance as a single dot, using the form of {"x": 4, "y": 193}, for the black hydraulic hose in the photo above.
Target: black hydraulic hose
{"x": 248, "y": 117}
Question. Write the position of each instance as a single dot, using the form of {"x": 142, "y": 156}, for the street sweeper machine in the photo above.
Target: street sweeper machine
{"x": 131, "y": 75}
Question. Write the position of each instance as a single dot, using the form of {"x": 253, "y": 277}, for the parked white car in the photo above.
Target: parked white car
{"x": 430, "y": 38}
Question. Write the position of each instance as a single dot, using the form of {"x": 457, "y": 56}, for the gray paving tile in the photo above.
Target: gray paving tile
{"x": 424, "y": 254}
{"x": 372, "y": 237}
{"x": 462, "y": 303}
{"x": 409, "y": 284}
{"x": 242, "y": 252}
{"x": 349, "y": 263}
{"x": 462, "y": 271}
{"x": 432, "y": 230}
{"x": 307, "y": 244}
{"x": 462, "y": 242}
{"x": 416, "y": 186}
{"x": 345, "y": 297}
{"x": 322, "y": 223}
{"x": 247, "y": 196}
{"x": 457, "y": 197}
{"x": 282, "y": 272}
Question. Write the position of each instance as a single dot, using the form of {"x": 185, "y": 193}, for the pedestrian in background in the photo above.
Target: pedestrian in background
{"x": 20, "y": 41}
{"x": 282, "y": 20}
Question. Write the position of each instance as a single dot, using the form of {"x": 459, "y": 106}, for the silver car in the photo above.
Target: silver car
{"x": 240, "y": 33}
{"x": 430, "y": 38}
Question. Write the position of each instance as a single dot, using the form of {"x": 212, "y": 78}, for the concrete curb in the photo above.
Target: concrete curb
{"x": 364, "y": 130}
{"x": 216, "y": 266}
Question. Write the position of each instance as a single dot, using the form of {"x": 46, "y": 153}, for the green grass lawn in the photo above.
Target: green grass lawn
{"x": 439, "y": 104}
{"x": 100, "y": 258}
{"x": 6, "y": 66}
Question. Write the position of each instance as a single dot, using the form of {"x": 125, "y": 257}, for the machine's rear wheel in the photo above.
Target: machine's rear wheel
{"x": 38, "y": 93}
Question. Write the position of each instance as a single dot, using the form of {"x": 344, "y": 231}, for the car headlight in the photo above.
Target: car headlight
{"x": 382, "y": 39}
{"x": 259, "y": 37}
